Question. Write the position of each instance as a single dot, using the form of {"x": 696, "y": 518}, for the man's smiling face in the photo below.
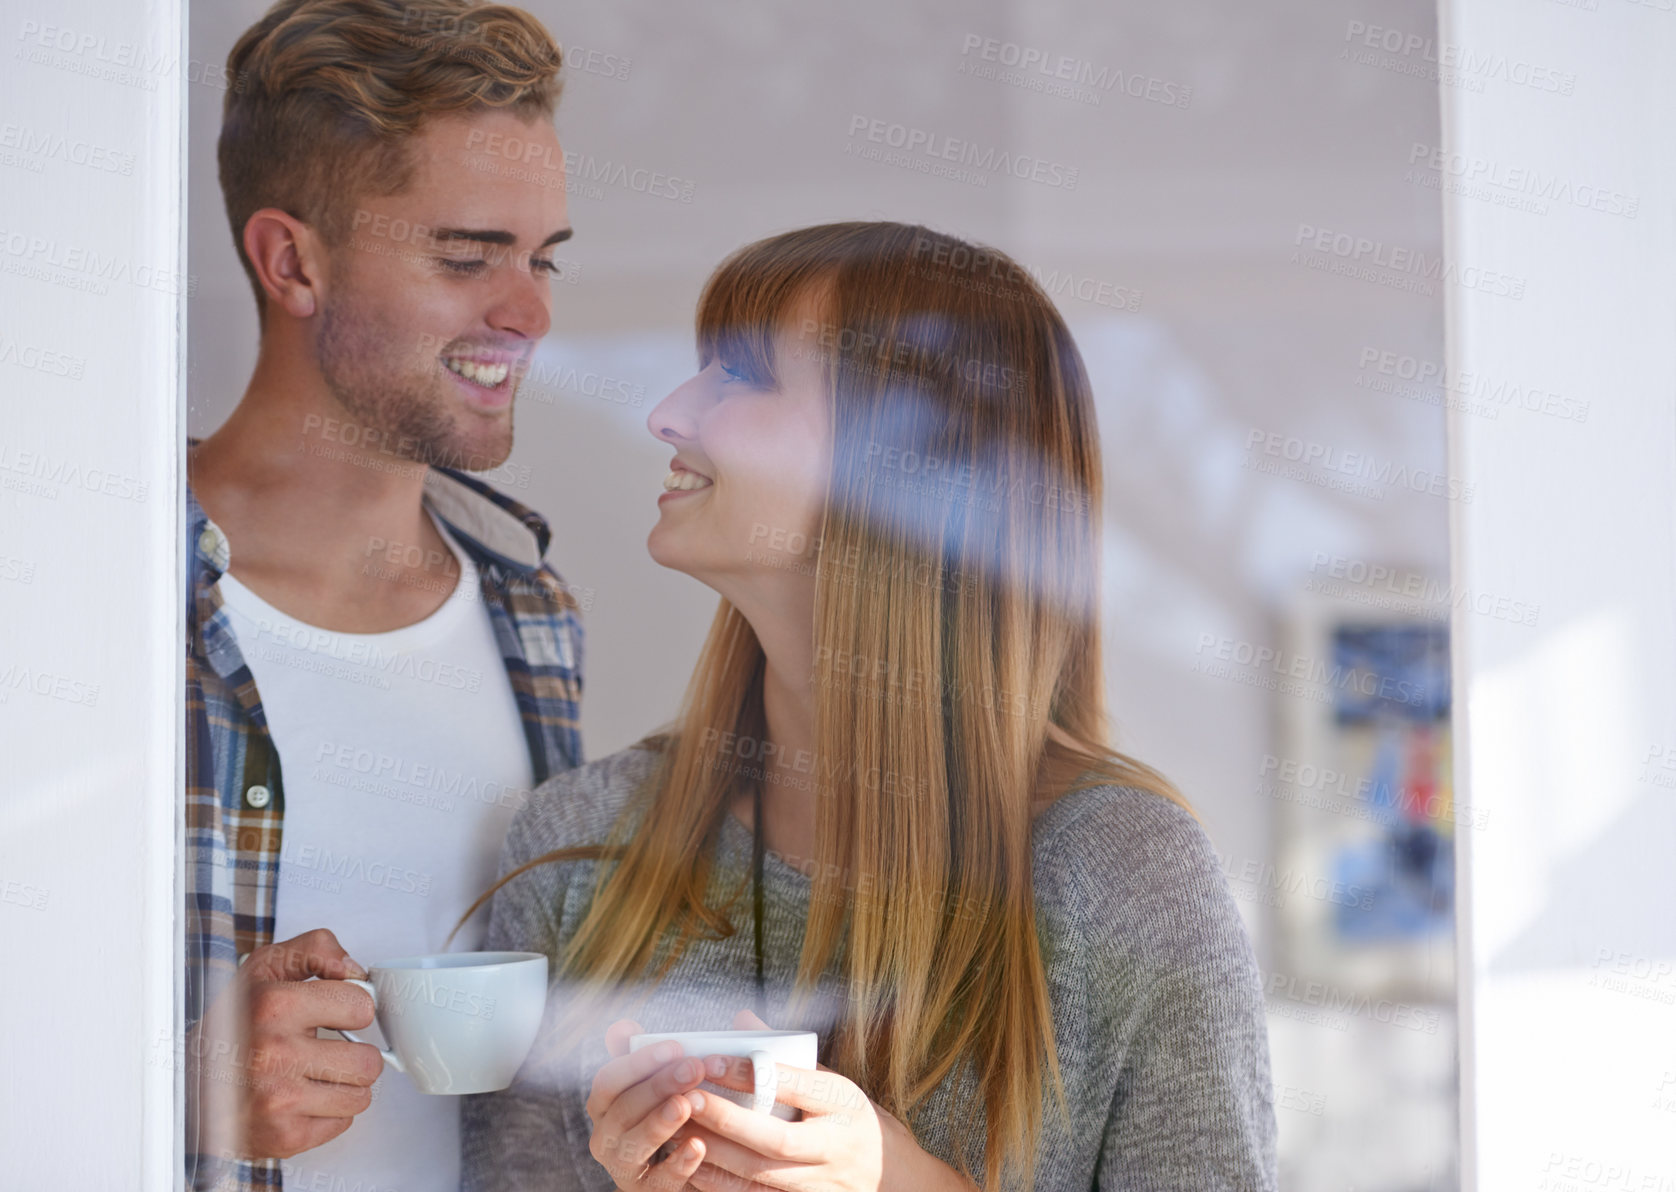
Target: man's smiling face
{"x": 438, "y": 297}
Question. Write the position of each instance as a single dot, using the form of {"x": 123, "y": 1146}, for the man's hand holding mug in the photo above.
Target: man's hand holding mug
{"x": 267, "y": 1087}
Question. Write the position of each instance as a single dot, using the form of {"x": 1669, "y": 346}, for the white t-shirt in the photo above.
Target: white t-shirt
{"x": 403, "y": 760}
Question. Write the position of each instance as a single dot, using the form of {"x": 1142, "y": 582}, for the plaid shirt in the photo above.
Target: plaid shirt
{"x": 235, "y": 794}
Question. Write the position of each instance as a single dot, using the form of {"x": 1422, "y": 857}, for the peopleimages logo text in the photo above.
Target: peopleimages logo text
{"x": 1370, "y": 253}
{"x": 1326, "y": 996}
{"x": 1526, "y": 180}
{"x": 1074, "y": 72}
{"x": 1358, "y": 464}
{"x": 1457, "y": 59}
{"x": 985, "y": 158}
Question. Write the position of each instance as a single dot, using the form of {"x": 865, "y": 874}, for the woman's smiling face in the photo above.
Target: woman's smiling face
{"x": 744, "y": 496}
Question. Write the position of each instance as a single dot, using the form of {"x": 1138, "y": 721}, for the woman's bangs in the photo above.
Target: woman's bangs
{"x": 745, "y": 303}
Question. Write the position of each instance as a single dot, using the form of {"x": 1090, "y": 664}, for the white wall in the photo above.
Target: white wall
{"x": 1568, "y": 932}
{"x": 91, "y": 256}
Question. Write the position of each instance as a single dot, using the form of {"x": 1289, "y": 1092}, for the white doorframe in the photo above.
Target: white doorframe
{"x": 92, "y": 310}
{"x": 1556, "y": 120}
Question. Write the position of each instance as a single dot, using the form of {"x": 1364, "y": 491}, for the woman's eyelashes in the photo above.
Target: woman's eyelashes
{"x": 746, "y": 376}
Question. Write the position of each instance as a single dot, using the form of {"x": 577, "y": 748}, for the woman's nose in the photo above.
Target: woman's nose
{"x": 676, "y": 416}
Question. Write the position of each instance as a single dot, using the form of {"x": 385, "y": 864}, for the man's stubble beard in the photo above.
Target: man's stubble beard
{"x": 403, "y": 398}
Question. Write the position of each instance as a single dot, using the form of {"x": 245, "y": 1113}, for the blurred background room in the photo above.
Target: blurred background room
{"x": 1237, "y": 210}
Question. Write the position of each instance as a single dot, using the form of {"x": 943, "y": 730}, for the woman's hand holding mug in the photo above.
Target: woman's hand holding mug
{"x": 844, "y": 1142}
{"x": 636, "y": 1105}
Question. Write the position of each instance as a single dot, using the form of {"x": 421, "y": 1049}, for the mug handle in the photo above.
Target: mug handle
{"x": 390, "y": 1057}
{"x": 766, "y": 1077}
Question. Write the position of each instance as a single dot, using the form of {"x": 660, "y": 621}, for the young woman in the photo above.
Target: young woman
{"x": 887, "y": 811}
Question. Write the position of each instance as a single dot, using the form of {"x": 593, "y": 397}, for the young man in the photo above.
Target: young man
{"x": 380, "y": 665}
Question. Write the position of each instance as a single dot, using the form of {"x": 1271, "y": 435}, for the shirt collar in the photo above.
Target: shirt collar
{"x": 499, "y": 527}
{"x": 493, "y": 525}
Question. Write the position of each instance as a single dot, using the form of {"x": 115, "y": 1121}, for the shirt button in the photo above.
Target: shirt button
{"x": 258, "y": 797}
{"x": 212, "y": 546}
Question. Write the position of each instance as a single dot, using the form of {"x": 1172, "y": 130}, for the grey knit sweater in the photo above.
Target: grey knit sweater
{"x": 1157, "y": 1008}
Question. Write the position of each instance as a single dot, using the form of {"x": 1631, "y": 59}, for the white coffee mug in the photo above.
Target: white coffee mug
{"x": 458, "y": 1022}
{"x": 795, "y": 1049}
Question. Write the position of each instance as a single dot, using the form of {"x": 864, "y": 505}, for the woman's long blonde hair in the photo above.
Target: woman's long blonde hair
{"x": 958, "y": 563}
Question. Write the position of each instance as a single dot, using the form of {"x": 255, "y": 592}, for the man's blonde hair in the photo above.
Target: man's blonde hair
{"x": 325, "y": 94}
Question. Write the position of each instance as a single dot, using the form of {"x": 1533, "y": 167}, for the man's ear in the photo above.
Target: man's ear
{"x": 286, "y": 254}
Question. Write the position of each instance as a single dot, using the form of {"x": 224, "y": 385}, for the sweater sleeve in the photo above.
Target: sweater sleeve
{"x": 1193, "y": 1105}
{"x": 1192, "y": 1110}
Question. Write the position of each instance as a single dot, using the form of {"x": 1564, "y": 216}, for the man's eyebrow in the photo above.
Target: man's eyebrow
{"x": 480, "y": 236}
